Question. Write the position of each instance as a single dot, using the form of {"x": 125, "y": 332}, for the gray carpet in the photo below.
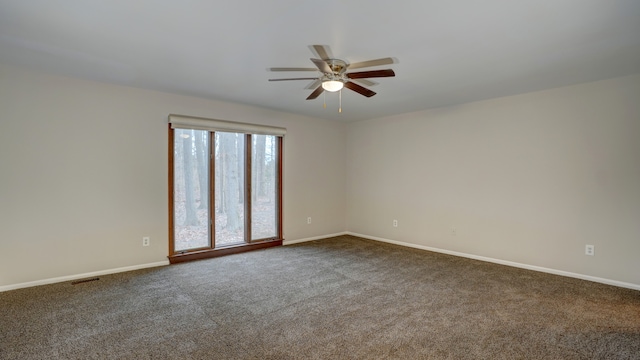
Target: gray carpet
{"x": 339, "y": 298}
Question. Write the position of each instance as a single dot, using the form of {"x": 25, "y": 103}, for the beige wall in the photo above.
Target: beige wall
{"x": 83, "y": 173}
{"x": 529, "y": 179}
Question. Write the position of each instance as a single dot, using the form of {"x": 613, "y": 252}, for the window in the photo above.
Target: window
{"x": 225, "y": 187}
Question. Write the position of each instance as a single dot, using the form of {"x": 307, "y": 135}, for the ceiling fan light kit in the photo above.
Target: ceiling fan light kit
{"x": 332, "y": 85}
{"x": 334, "y": 76}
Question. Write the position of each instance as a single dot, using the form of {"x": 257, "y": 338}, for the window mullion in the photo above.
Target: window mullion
{"x": 247, "y": 183}
{"x": 212, "y": 189}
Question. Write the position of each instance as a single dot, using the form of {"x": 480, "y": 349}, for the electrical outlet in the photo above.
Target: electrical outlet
{"x": 589, "y": 250}
{"x": 309, "y": 220}
{"x": 395, "y": 223}
{"x": 146, "y": 241}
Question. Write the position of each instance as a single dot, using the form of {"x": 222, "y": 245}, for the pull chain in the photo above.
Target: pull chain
{"x": 324, "y": 99}
{"x": 340, "y": 108}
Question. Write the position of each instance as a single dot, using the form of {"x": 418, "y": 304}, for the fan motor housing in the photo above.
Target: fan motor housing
{"x": 337, "y": 66}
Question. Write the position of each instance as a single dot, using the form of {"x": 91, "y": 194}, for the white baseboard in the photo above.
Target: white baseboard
{"x": 81, "y": 276}
{"x": 291, "y": 242}
{"x": 504, "y": 262}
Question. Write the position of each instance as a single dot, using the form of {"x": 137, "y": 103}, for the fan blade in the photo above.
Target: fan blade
{"x": 307, "y": 78}
{"x": 314, "y": 84}
{"x": 359, "y": 89}
{"x": 371, "y": 74}
{"x": 370, "y": 63}
{"x": 292, "y": 69}
{"x": 365, "y": 82}
{"x": 322, "y": 65}
{"x": 316, "y": 93}
{"x": 323, "y": 51}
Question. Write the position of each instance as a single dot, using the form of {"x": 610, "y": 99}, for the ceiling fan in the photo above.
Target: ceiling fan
{"x": 334, "y": 73}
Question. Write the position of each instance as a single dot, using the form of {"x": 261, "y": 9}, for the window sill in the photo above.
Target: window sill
{"x": 211, "y": 253}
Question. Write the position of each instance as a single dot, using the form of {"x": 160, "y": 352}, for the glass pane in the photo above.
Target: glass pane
{"x": 263, "y": 187}
{"x": 229, "y": 189}
{"x": 191, "y": 189}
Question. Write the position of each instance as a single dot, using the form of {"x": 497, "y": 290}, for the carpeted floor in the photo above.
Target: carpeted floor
{"x": 339, "y": 298}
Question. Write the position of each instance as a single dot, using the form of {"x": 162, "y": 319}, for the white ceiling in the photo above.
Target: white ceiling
{"x": 448, "y": 52}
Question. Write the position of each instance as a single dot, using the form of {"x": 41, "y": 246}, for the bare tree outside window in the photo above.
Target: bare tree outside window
{"x": 263, "y": 211}
{"x": 229, "y": 159}
{"x": 191, "y": 227}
